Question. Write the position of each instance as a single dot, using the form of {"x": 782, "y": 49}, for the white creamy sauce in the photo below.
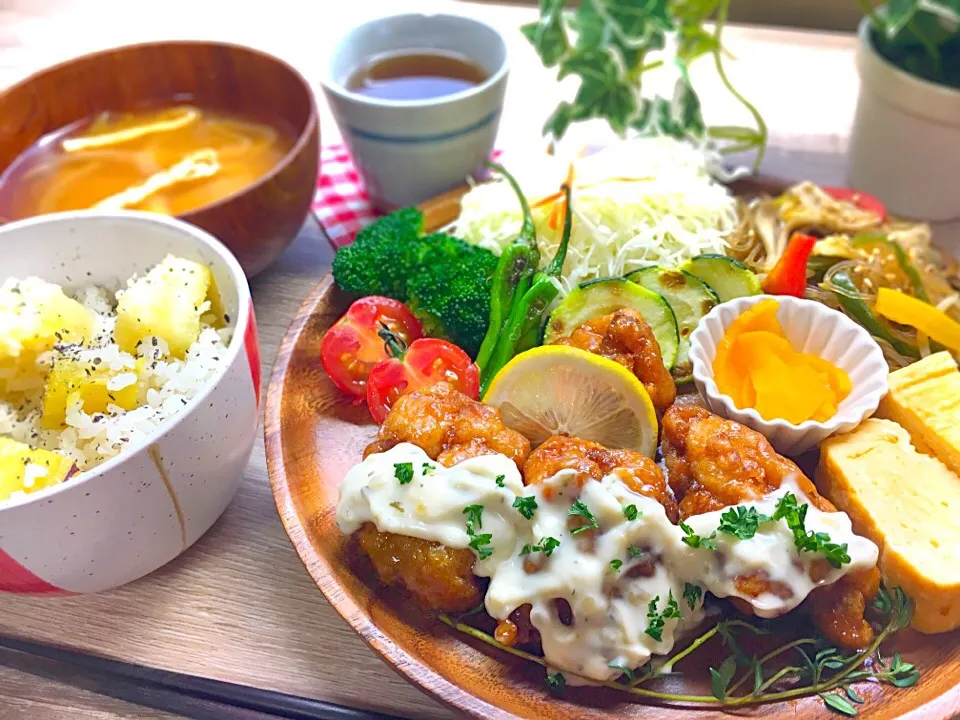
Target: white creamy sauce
{"x": 431, "y": 506}
{"x": 772, "y": 552}
{"x": 609, "y": 576}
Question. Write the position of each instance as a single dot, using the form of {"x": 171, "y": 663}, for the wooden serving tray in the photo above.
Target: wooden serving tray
{"x": 314, "y": 434}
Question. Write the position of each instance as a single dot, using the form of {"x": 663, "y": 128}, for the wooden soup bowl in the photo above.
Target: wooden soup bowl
{"x": 314, "y": 434}
{"x": 258, "y": 222}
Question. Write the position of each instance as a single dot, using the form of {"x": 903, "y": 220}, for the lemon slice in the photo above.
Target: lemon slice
{"x": 560, "y": 390}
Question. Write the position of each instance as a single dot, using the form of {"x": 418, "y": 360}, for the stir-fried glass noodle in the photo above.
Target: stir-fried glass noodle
{"x": 857, "y": 253}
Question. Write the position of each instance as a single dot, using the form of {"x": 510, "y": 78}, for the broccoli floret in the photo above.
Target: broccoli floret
{"x": 383, "y": 257}
{"x": 450, "y": 294}
{"x": 444, "y": 280}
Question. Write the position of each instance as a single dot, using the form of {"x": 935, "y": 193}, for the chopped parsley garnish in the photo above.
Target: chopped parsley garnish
{"x": 580, "y": 509}
{"x": 474, "y": 515}
{"x": 403, "y": 472}
{"x": 556, "y": 682}
{"x": 547, "y": 545}
{"x": 692, "y": 594}
{"x": 500, "y": 479}
{"x": 627, "y": 672}
{"x": 695, "y": 541}
{"x": 815, "y": 542}
{"x": 630, "y": 512}
{"x": 635, "y": 551}
{"x": 616, "y": 564}
{"x": 656, "y": 619}
{"x": 526, "y": 506}
{"x": 742, "y": 522}
{"x": 428, "y": 468}
{"x": 480, "y": 543}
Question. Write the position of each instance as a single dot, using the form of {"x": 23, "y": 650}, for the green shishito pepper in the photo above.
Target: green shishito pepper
{"x": 522, "y": 329}
{"x": 849, "y": 297}
{"x": 514, "y": 272}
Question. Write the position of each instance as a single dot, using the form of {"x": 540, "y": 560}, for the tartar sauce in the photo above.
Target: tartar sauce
{"x": 609, "y": 579}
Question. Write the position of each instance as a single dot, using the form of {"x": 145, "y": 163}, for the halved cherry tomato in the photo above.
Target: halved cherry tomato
{"x": 351, "y": 348}
{"x": 425, "y": 362}
{"x": 861, "y": 199}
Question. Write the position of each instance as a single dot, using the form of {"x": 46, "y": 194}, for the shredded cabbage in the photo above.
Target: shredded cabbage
{"x": 639, "y": 202}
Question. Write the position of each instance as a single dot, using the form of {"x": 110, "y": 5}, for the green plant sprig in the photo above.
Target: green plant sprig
{"x": 607, "y": 45}
{"x": 829, "y": 673}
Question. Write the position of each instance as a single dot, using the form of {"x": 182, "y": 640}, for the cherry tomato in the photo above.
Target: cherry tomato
{"x": 861, "y": 199}
{"x": 425, "y": 362}
{"x": 352, "y": 347}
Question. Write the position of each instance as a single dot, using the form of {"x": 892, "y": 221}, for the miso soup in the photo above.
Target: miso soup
{"x": 170, "y": 160}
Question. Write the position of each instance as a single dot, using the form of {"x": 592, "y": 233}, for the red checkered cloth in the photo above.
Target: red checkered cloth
{"x": 341, "y": 204}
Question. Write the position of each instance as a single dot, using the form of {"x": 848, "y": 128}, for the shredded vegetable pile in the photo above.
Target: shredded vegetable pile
{"x": 642, "y": 202}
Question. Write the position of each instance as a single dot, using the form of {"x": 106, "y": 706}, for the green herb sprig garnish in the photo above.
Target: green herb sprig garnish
{"x": 819, "y": 669}
{"x": 547, "y": 545}
{"x": 812, "y": 542}
{"x": 657, "y": 619}
{"x": 403, "y": 472}
{"x": 526, "y": 506}
{"x": 616, "y": 564}
{"x": 692, "y": 594}
{"x": 556, "y": 683}
{"x": 500, "y": 480}
{"x": 742, "y": 522}
{"x": 696, "y": 541}
{"x": 631, "y": 513}
{"x": 479, "y": 543}
{"x": 580, "y": 509}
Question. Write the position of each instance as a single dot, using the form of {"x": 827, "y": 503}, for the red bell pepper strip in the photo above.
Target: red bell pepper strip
{"x": 789, "y": 275}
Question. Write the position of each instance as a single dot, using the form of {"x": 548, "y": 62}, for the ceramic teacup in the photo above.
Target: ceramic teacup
{"x": 410, "y": 150}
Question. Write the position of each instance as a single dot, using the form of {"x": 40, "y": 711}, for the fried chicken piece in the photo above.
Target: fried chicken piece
{"x": 440, "y": 577}
{"x": 713, "y": 463}
{"x": 838, "y": 609}
{"x": 624, "y": 337}
{"x": 592, "y": 460}
{"x": 449, "y": 427}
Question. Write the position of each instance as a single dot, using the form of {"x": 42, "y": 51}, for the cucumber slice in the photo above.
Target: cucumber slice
{"x": 728, "y": 278}
{"x": 689, "y": 297}
{"x": 606, "y": 295}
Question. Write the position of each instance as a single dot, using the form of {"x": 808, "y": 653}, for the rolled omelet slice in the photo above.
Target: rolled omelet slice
{"x": 924, "y": 399}
{"x": 907, "y": 503}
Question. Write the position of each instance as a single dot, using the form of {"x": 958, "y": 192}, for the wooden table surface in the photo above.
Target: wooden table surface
{"x": 238, "y": 606}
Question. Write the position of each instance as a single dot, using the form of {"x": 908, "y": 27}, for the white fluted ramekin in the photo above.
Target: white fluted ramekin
{"x": 811, "y": 327}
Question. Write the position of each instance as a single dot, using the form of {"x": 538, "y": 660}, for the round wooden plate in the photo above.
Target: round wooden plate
{"x": 314, "y": 434}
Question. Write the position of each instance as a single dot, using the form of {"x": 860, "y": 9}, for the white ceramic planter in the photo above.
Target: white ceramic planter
{"x": 905, "y": 143}
{"x": 143, "y": 508}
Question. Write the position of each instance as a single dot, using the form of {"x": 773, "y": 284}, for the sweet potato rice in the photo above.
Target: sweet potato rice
{"x": 86, "y": 373}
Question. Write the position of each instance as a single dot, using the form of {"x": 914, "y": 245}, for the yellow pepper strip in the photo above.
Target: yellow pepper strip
{"x": 907, "y": 310}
